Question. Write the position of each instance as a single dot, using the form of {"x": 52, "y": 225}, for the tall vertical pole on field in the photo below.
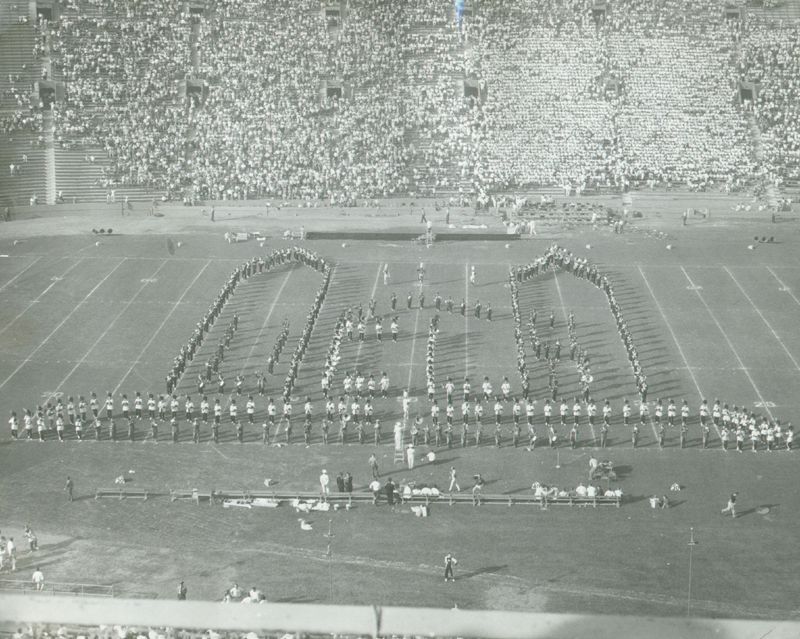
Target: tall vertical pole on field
{"x": 692, "y": 544}
{"x": 329, "y": 537}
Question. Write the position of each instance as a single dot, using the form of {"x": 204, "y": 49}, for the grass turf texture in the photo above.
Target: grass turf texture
{"x": 121, "y": 310}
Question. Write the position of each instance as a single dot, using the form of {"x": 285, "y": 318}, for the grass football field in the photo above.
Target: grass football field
{"x": 710, "y": 319}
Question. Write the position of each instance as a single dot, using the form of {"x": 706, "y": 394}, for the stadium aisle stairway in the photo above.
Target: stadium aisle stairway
{"x": 82, "y": 181}
{"x": 16, "y": 57}
{"x": 17, "y": 190}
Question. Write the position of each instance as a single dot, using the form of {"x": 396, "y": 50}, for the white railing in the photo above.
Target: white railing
{"x": 56, "y": 588}
{"x": 375, "y": 621}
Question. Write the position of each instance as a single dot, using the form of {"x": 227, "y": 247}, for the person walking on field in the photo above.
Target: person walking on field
{"x": 324, "y": 480}
{"x": 731, "y": 508}
{"x": 38, "y": 578}
{"x": 449, "y": 565}
{"x": 69, "y": 487}
{"x": 477, "y": 489}
{"x": 453, "y": 480}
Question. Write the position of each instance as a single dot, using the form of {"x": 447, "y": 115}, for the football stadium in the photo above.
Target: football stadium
{"x": 399, "y": 318}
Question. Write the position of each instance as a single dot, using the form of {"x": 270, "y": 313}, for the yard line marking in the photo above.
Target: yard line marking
{"x": 20, "y": 273}
{"x": 158, "y": 330}
{"x": 105, "y": 332}
{"x": 217, "y": 449}
{"x": 671, "y": 332}
{"x": 263, "y": 326}
{"x": 413, "y": 345}
{"x": 66, "y": 317}
{"x": 763, "y": 318}
{"x": 566, "y": 317}
{"x": 466, "y": 320}
{"x": 727, "y": 339}
{"x": 786, "y": 288}
{"x": 675, "y": 339}
{"x": 372, "y": 297}
{"x": 55, "y": 281}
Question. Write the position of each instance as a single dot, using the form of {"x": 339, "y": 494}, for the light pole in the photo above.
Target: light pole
{"x": 329, "y": 536}
{"x": 692, "y": 544}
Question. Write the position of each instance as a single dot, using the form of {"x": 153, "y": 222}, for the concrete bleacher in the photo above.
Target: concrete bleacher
{"x": 16, "y": 190}
{"x": 17, "y": 41}
{"x": 83, "y": 181}
{"x": 16, "y": 58}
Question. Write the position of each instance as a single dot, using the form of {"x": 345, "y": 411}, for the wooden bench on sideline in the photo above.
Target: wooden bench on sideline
{"x": 218, "y": 496}
{"x": 122, "y": 493}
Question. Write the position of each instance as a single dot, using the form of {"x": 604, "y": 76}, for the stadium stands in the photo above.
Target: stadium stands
{"x": 772, "y": 57}
{"x": 566, "y": 97}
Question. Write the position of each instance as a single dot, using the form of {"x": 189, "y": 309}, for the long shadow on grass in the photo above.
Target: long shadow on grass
{"x": 297, "y": 599}
{"x": 483, "y": 571}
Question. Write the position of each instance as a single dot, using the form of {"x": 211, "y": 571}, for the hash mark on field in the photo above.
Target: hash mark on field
{"x": 784, "y": 287}
{"x": 66, "y": 317}
{"x": 763, "y": 318}
{"x": 158, "y": 330}
{"x": 730, "y": 344}
{"x": 55, "y": 281}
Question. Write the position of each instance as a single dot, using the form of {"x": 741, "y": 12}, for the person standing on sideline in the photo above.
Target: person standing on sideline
{"x": 181, "y": 592}
{"x": 69, "y": 487}
{"x": 731, "y": 508}
{"x": 453, "y": 480}
{"x": 38, "y": 579}
{"x": 386, "y": 274}
{"x": 324, "y": 481}
{"x": 373, "y": 464}
{"x": 11, "y": 551}
{"x": 389, "y": 489}
{"x": 476, "y": 490}
{"x": 411, "y": 456}
{"x": 449, "y": 564}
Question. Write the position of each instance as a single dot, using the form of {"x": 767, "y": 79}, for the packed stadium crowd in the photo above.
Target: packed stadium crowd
{"x": 121, "y": 70}
{"x": 550, "y": 70}
{"x": 566, "y": 97}
{"x": 773, "y": 58}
